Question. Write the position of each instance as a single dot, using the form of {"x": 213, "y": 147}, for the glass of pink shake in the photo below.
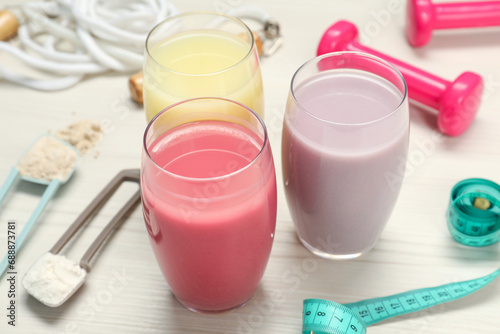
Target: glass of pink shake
{"x": 345, "y": 134}
{"x": 209, "y": 200}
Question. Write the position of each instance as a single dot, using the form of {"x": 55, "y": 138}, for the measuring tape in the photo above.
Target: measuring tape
{"x": 473, "y": 219}
{"x": 474, "y": 212}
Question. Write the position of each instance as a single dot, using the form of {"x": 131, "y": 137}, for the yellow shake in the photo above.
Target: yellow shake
{"x": 202, "y": 63}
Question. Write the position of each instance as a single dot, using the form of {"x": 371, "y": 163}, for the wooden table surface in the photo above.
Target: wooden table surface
{"x": 125, "y": 291}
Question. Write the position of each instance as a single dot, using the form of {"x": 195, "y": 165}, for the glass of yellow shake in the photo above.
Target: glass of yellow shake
{"x": 201, "y": 54}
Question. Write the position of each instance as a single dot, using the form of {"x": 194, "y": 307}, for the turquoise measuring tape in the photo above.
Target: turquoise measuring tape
{"x": 468, "y": 224}
{"x": 473, "y": 219}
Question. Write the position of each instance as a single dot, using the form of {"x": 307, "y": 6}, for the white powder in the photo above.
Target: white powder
{"x": 53, "y": 278}
{"x": 48, "y": 159}
{"x": 83, "y": 135}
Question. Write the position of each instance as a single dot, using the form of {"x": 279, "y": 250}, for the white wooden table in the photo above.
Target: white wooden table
{"x": 125, "y": 291}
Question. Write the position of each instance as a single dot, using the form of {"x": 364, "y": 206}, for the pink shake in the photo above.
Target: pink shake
{"x": 210, "y": 210}
{"x": 341, "y": 142}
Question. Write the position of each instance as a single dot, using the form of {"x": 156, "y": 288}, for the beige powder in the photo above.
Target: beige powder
{"x": 83, "y": 135}
{"x": 48, "y": 159}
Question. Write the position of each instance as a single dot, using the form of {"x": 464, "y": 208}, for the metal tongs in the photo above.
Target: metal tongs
{"x": 98, "y": 202}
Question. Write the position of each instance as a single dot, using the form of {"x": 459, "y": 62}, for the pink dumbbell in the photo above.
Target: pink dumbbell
{"x": 457, "y": 102}
{"x": 423, "y": 17}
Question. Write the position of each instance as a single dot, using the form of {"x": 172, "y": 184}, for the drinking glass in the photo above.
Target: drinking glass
{"x": 198, "y": 54}
{"x": 344, "y": 145}
{"x": 209, "y": 200}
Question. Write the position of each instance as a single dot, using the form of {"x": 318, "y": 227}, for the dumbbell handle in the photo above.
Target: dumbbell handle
{"x": 466, "y": 14}
{"x": 423, "y": 87}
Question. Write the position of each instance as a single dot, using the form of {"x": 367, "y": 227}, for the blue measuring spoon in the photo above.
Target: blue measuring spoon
{"x": 52, "y": 187}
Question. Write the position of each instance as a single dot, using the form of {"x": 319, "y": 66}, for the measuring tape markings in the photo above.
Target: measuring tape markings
{"x": 467, "y": 224}
{"x": 324, "y": 316}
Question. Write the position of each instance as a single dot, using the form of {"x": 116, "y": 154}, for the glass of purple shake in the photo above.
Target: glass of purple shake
{"x": 345, "y": 132}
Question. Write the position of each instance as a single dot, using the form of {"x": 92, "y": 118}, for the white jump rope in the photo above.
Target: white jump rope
{"x": 101, "y": 35}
